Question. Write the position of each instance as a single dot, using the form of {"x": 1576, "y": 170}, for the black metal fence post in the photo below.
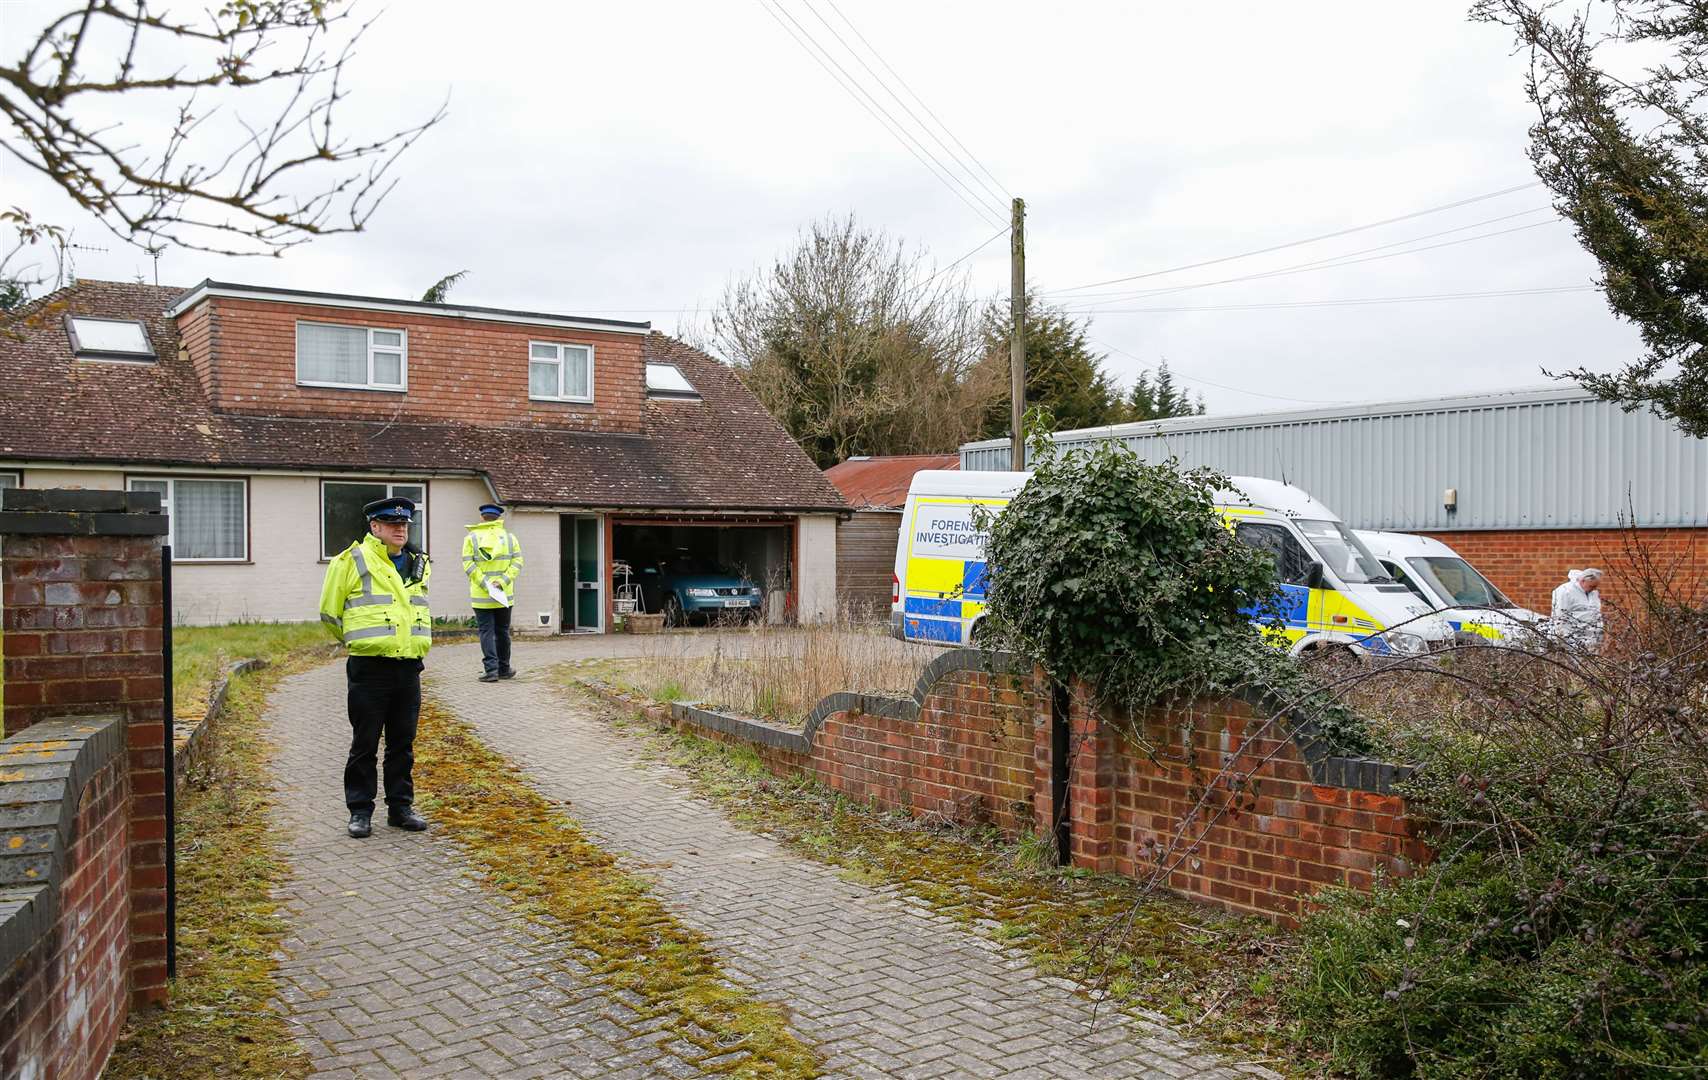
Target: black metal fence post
{"x": 170, "y": 767}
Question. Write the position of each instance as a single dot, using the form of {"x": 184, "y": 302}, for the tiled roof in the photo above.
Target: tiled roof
{"x": 881, "y": 482}
{"x": 722, "y": 452}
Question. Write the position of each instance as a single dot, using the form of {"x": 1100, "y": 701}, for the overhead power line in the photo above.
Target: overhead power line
{"x": 1333, "y": 261}
{"x": 860, "y": 94}
{"x": 1298, "y": 243}
{"x": 970, "y": 156}
{"x": 990, "y": 240}
{"x": 1355, "y": 301}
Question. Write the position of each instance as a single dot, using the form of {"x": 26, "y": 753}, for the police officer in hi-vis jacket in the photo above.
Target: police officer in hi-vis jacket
{"x": 492, "y": 558}
{"x": 375, "y": 602}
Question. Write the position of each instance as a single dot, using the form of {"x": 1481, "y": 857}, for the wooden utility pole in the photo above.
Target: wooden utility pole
{"x": 1017, "y": 345}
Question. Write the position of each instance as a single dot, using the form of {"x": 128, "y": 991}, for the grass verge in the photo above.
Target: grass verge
{"x": 200, "y": 655}
{"x": 219, "y": 1022}
{"x": 539, "y": 858}
{"x": 1212, "y": 974}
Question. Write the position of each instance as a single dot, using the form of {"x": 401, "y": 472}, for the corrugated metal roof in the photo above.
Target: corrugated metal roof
{"x": 881, "y": 482}
{"x": 1527, "y": 459}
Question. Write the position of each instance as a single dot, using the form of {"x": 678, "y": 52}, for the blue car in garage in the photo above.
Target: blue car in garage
{"x": 688, "y": 588}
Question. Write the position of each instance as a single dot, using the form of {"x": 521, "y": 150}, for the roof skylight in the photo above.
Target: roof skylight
{"x": 108, "y": 339}
{"x": 666, "y": 380}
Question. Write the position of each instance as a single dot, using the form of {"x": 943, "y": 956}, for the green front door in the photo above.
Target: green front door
{"x": 589, "y": 597}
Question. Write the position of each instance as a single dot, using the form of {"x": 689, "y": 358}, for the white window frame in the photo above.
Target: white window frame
{"x": 368, "y": 481}
{"x": 560, "y": 346}
{"x": 170, "y": 499}
{"x": 402, "y": 349}
{"x": 17, "y": 478}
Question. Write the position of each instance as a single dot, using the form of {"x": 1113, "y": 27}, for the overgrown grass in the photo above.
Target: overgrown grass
{"x": 200, "y": 655}
{"x": 1212, "y": 973}
{"x": 777, "y": 673}
{"x": 610, "y": 918}
{"x": 219, "y": 1022}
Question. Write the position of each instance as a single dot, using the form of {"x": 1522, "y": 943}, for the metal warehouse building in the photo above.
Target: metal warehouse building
{"x": 1526, "y": 484}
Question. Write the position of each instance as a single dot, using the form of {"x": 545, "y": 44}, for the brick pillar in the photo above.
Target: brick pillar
{"x": 82, "y": 630}
{"x": 1091, "y": 783}
{"x": 1043, "y": 757}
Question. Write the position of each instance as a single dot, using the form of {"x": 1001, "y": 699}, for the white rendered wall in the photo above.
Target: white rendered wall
{"x": 537, "y": 588}
{"x": 281, "y": 581}
{"x": 87, "y": 479}
{"x": 816, "y": 578}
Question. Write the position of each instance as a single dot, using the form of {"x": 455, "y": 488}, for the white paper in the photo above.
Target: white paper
{"x": 496, "y": 591}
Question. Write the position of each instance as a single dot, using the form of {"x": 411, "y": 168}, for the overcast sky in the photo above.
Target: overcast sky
{"x": 627, "y": 159}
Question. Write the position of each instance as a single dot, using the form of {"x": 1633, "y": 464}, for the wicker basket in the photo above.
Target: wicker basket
{"x": 643, "y": 624}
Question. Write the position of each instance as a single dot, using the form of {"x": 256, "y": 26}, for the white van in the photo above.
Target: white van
{"x": 1333, "y": 591}
{"x": 1470, "y": 603}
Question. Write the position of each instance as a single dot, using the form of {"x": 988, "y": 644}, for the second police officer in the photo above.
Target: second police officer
{"x": 492, "y": 558}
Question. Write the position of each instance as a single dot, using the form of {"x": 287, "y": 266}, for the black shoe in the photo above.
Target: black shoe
{"x": 487, "y": 676}
{"x": 506, "y": 674}
{"x": 361, "y": 824}
{"x": 406, "y": 819}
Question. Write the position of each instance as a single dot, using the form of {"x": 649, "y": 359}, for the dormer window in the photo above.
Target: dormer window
{"x": 124, "y": 340}
{"x": 352, "y": 357}
{"x": 558, "y": 372}
{"x": 667, "y": 381}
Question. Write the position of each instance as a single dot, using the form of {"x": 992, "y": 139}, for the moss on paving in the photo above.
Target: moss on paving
{"x": 610, "y": 918}
{"x": 220, "y": 1021}
{"x": 1211, "y": 973}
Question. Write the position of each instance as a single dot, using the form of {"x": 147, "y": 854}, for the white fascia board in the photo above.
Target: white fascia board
{"x": 357, "y": 303}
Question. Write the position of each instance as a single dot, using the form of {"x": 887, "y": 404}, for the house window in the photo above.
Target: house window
{"x": 10, "y": 480}
{"x": 352, "y": 357}
{"x": 560, "y": 372}
{"x": 206, "y": 520}
{"x": 342, "y": 522}
{"x": 667, "y": 381}
{"x": 109, "y": 339}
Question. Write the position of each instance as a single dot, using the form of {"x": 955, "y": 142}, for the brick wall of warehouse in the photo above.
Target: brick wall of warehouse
{"x": 1527, "y": 564}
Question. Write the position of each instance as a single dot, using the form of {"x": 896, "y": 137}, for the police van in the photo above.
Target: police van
{"x": 1333, "y": 592}
{"x": 1472, "y": 606}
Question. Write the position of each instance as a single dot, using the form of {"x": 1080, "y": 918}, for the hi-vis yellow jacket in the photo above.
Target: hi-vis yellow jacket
{"x": 373, "y": 610}
{"x": 491, "y": 553}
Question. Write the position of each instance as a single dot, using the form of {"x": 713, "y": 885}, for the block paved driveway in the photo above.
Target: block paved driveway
{"x": 399, "y": 964}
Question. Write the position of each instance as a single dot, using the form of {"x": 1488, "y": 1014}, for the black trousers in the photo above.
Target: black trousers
{"x": 494, "y": 626}
{"x": 384, "y": 698}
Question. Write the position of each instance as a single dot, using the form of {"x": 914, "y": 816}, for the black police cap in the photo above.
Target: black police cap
{"x": 398, "y": 509}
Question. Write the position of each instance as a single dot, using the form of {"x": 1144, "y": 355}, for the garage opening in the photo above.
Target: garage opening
{"x": 707, "y": 573}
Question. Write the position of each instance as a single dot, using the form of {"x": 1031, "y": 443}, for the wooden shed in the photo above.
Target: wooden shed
{"x": 876, "y": 488}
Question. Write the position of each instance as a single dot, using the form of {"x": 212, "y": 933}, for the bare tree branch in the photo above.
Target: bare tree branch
{"x": 245, "y": 199}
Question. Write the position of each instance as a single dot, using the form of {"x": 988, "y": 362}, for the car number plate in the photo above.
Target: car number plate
{"x": 738, "y": 603}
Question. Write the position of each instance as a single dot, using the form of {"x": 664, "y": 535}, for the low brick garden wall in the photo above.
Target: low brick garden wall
{"x": 65, "y": 911}
{"x": 1218, "y": 805}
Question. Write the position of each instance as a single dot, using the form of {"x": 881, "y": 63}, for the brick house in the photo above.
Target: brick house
{"x": 266, "y": 417}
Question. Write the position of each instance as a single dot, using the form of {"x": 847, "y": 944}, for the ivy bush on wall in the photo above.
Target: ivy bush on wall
{"x": 1123, "y": 574}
